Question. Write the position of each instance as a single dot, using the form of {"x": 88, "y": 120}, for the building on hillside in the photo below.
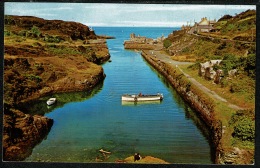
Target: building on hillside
{"x": 204, "y": 25}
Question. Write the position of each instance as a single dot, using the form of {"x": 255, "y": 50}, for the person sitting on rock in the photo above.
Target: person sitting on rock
{"x": 137, "y": 156}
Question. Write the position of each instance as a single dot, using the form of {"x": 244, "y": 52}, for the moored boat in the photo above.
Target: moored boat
{"x": 51, "y": 101}
{"x": 141, "y": 97}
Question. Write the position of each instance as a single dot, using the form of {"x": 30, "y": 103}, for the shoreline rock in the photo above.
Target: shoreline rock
{"x": 22, "y": 132}
{"x": 44, "y": 57}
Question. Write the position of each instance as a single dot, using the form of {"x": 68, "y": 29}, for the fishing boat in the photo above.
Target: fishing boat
{"x": 141, "y": 97}
{"x": 51, "y": 101}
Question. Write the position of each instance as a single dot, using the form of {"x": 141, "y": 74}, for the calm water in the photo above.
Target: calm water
{"x": 86, "y": 122}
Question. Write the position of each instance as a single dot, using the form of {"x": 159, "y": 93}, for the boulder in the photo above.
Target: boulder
{"x": 22, "y": 132}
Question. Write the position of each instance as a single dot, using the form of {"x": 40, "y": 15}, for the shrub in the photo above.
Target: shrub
{"x": 195, "y": 66}
{"x": 224, "y": 82}
{"x": 229, "y": 62}
{"x": 7, "y": 33}
{"x": 245, "y": 130}
{"x": 235, "y": 87}
{"x": 35, "y": 30}
{"x": 35, "y": 78}
{"x": 186, "y": 50}
{"x": 167, "y": 43}
{"x": 250, "y": 65}
{"x": 230, "y": 27}
{"x": 22, "y": 33}
{"x": 52, "y": 39}
{"x": 244, "y": 125}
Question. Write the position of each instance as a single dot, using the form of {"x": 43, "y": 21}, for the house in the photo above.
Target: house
{"x": 204, "y": 25}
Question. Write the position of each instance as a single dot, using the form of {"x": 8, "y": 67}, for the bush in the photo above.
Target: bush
{"x": 244, "y": 125}
{"x": 245, "y": 130}
{"x": 230, "y": 27}
{"x": 22, "y": 33}
{"x": 167, "y": 43}
{"x": 7, "y": 33}
{"x": 224, "y": 82}
{"x": 195, "y": 66}
{"x": 35, "y": 78}
{"x": 235, "y": 87}
{"x": 186, "y": 50}
{"x": 229, "y": 62}
{"x": 52, "y": 39}
{"x": 36, "y": 31}
{"x": 250, "y": 65}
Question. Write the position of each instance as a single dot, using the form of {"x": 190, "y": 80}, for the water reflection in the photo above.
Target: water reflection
{"x": 40, "y": 107}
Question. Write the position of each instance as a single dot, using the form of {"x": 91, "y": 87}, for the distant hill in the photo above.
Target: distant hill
{"x": 66, "y": 30}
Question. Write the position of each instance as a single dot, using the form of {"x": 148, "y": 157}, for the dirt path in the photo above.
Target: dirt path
{"x": 165, "y": 58}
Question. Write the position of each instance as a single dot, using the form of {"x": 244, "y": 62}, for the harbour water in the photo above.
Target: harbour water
{"x": 88, "y": 121}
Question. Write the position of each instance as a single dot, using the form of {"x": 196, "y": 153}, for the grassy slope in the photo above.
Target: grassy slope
{"x": 241, "y": 32}
{"x": 47, "y": 63}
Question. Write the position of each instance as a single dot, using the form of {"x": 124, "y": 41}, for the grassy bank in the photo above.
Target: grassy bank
{"x": 229, "y": 126}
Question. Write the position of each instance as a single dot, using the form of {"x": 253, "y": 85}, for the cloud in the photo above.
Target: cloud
{"x": 112, "y": 14}
{"x": 149, "y": 23}
{"x": 177, "y": 7}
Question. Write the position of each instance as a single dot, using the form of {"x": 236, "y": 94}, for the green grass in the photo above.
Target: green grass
{"x": 62, "y": 50}
{"x": 244, "y": 96}
{"x": 222, "y": 111}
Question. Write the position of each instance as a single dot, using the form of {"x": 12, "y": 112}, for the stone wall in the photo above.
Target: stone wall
{"x": 192, "y": 97}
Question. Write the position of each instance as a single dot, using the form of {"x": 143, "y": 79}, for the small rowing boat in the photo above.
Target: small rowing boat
{"x": 51, "y": 101}
{"x": 140, "y": 97}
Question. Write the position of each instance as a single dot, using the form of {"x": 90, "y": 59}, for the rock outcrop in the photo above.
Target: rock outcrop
{"x": 43, "y": 57}
{"x": 235, "y": 156}
{"x": 22, "y": 132}
{"x": 67, "y": 30}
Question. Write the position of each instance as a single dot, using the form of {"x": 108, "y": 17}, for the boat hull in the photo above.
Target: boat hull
{"x": 140, "y": 98}
{"x": 51, "y": 101}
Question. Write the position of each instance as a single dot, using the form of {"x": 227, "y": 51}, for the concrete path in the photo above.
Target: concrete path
{"x": 165, "y": 58}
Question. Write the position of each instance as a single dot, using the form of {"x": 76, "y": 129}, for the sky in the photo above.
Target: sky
{"x": 129, "y": 15}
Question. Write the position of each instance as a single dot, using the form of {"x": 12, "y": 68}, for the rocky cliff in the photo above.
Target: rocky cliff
{"x": 43, "y": 57}
{"x": 22, "y": 132}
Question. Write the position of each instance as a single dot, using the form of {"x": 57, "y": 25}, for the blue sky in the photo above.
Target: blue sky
{"x": 138, "y": 15}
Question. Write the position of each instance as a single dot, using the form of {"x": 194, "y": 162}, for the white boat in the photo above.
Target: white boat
{"x": 132, "y": 103}
{"x": 140, "y": 97}
{"x": 51, "y": 101}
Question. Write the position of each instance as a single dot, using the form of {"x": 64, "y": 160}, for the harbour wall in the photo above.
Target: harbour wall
{"x": 138, "y": 46}
{"x": 201, "y": 103}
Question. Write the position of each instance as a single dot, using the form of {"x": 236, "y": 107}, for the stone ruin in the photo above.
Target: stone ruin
{"x": 142, "y": 39}
{"x": 207, "y": 71}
